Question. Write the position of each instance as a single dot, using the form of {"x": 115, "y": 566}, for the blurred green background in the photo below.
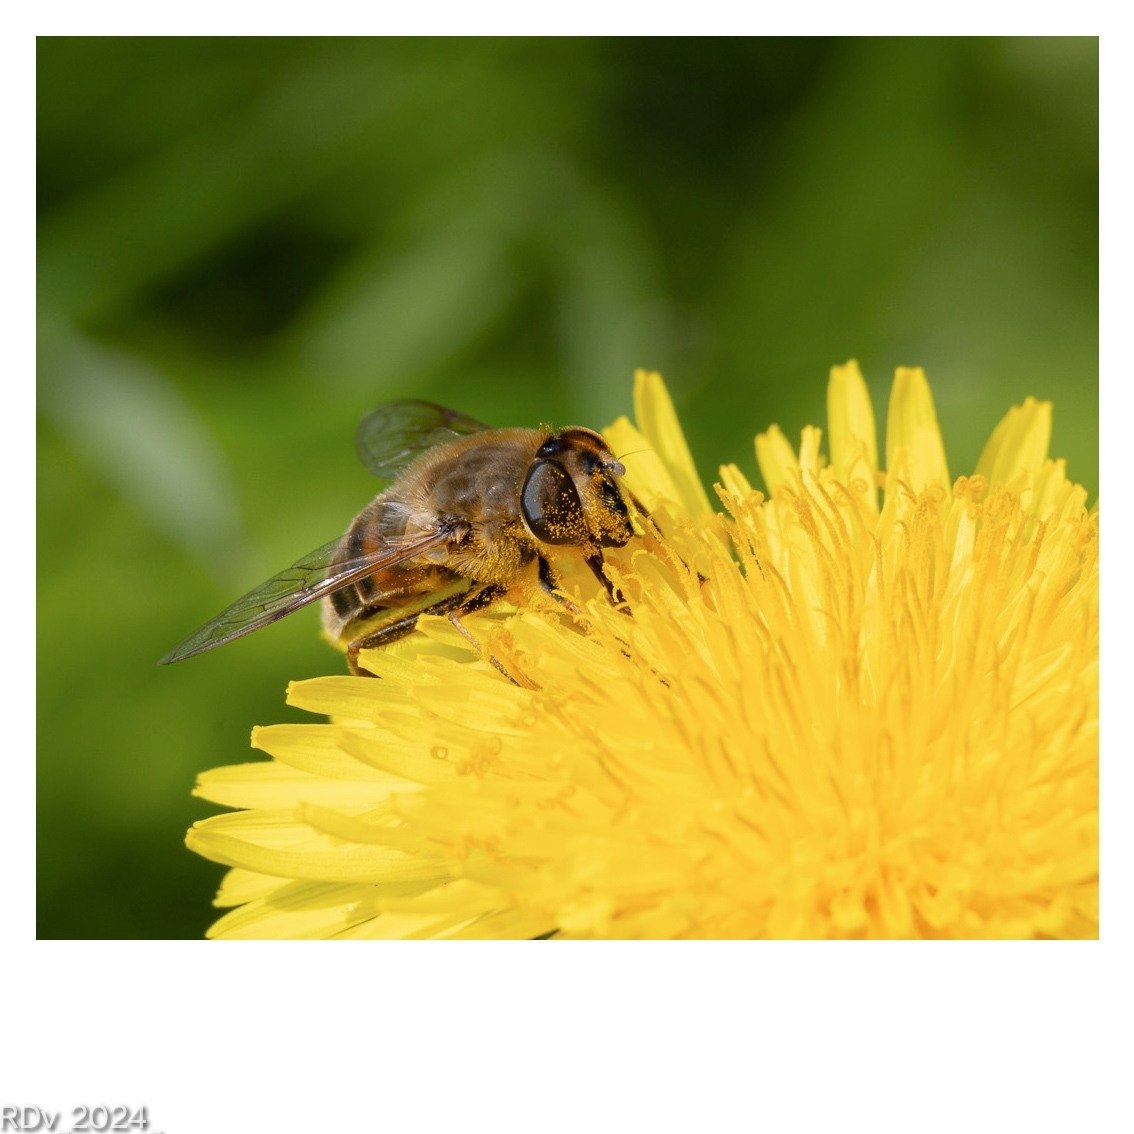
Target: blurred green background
{"x": 246, "y": 244}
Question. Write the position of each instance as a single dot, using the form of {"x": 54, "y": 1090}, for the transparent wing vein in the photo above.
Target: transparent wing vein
{"x": 394, "y": 435}
{"x": 316, "y": 575}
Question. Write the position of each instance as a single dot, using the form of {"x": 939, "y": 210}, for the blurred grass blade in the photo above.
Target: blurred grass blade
{"x": 386, "y": 324}
{"x": 132, "y": 424}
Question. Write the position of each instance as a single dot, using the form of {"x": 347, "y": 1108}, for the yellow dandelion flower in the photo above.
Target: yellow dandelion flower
{"x": 865, "y": 706}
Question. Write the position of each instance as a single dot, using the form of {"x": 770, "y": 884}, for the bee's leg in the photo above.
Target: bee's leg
{"x": 475, "y": 602}
{"x": 547, "y": 578}
{"x": 550, "y": 584}
{"x": 595, "y": 563}
{"x": 478, "y": 600}
{"x": 472, "y": 603}
{"x": 395, "y": 630}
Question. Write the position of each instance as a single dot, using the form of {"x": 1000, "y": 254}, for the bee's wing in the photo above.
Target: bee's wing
{"x": 316, "y": 575}
{"x": 391, "y": 436}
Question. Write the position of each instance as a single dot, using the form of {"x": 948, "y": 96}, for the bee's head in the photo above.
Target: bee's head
{"x": 571, "y": 494}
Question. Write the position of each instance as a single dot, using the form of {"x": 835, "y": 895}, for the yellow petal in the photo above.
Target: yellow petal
{"x": 267, "y": 784}
{"x": 1018, "y": 444}
{"x": 647, "y": 475}
{"x": 912, "y": 427}
{"x": 313, "y": 748}
{"x": 275, "y": 842}
{"x": 810, "y": 458}
{"x": 735, "y": 481}
{"x": 506, "y": 925}
{"x": 239, "y": 886}
{"x": 776, "y": 458}
{"x": 657, "y": 419}
{"x": 852, "y": 431}
{"x": 300, "y": 911}
{"x": 400, "y": 927}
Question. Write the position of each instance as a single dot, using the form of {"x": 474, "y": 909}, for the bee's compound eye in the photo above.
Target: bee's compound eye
{"x": 551, "y": 505}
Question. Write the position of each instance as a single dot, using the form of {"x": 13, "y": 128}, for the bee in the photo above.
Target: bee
{"x": 469, "y": 513}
